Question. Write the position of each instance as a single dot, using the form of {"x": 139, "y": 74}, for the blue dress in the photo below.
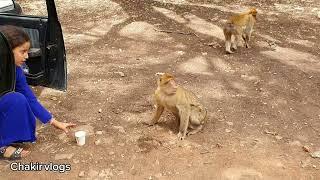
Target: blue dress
{"x": 18, "y": 113}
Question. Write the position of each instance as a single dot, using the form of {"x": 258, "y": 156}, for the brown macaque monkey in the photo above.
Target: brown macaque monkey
{"x": 240, "y": 26}
{"x": 182, "y": 103}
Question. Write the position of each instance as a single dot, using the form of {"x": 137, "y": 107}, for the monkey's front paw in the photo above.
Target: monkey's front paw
{"x": 229, "y": 52}
{"x": 148, "y": 123}
{"x": 181, "y": 136}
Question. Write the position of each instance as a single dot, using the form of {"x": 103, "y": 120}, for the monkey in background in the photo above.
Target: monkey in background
{"x": 182, "y": 103}
{"x": 240, "y": 26}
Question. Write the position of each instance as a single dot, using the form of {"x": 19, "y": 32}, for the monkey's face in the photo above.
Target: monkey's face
{"x": 254, "y": 12}
{"x": 169, "y": 87}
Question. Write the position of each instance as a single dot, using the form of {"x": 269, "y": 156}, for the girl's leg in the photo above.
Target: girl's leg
{"x": 17, "y": 122}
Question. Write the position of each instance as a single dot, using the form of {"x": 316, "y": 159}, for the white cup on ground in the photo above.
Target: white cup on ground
{"x": 80, "y": 137}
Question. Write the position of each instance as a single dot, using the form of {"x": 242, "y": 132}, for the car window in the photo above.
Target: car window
{"x": 6, "y": 4}
{"x": 34, "y": 7}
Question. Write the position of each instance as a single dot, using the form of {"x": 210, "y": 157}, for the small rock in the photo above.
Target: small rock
{"x": 305, "y": 163}
{"x": 108, "y": 140}
{"x": 121, "y": 74}
{"x": 172, "y": 142}
{"x": 159, "y": 175}
{"x": 270, "y": 132}
{"x": 100, "y": 110}
{"x": 230, "y": 123}
{"x": 93, "y": 173}
{"x": 81, "y": 174}
{"x": 315, "y": 154}
{"x": 76, "y": 161}
{"x": 97, "y": 142}
{"x": 218, "y": 145}
{"x": 54, "y": 98}
{"x": 120, "y": 128}
{"x": 242, "y": 143}
{"x": 180, "y": 52}
{"x": 63, "y": 156}
{"x": 108, "y": 172}
{"x": 295, "y": 143}
{"x": 111, "y": 153}
{"x": 63, "y": 137}
{"x": 306, "y": 148}
{"x": 103, "y": 173}
{"x": 279, "y": 164}
{"x": 228, "y": 130}
{"x": 278, "y": 137}
{"x": 133, "y": 171}
{"x": 99, "y": 132}
{"x": 121, "y": 144}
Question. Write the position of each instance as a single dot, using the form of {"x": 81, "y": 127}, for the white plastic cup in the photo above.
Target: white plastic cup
{"x": 80, "y": 137}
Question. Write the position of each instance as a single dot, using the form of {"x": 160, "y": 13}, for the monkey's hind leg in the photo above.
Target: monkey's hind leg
{"x": 227, "y": 35}
{"x": 228, "y": 47}
{"x": 184, "y": 114}
{"x": 195, "y": 130}
{"x": 234, "y": 45}
{"x": 234, "y": 40}
{"x": 245, "y": 38}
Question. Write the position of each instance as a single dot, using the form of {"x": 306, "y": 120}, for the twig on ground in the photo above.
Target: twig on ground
{"x": 213, "y": 44}
{"x": 177, "y": 32}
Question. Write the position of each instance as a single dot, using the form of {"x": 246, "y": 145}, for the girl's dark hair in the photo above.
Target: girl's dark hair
{"x": 15, "y": 35}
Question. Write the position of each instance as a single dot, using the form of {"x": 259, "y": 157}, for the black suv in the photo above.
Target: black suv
{"x": 46, "y": 65}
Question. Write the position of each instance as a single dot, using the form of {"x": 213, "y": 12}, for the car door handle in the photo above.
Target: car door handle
{"x": 52, "y": 51}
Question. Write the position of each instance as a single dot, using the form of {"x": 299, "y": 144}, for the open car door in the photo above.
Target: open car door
{"x": 46, "y": 65}
{"x": 7, "y": 67}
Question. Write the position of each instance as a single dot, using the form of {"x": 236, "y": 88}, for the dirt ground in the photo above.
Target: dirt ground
{"x": 263, "y": 102}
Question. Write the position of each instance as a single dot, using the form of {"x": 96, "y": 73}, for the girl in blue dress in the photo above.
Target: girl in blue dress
{"x": 20, "y": 108}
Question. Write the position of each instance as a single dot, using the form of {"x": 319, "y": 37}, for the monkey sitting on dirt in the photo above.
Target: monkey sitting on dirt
{"x": 182, "y": 103}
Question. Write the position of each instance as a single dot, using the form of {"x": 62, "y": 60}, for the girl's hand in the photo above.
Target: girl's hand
{"x": 61, "y": 125}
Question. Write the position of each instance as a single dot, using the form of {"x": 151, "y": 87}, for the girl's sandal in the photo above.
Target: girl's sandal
{"x": 16, "y": 155}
